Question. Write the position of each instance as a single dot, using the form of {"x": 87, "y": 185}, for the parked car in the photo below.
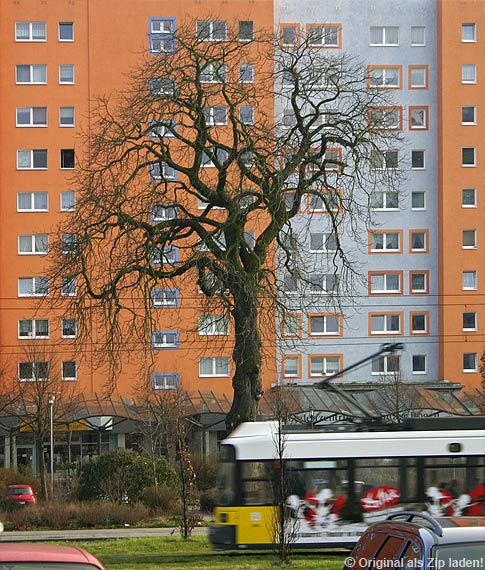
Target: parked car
{"x": 22, "y": 494}
{"x": 21, "y": 556}
{"x": 417, "y": 541}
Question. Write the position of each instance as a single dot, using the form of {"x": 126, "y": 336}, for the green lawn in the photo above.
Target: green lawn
{"x": 173, "y": 553}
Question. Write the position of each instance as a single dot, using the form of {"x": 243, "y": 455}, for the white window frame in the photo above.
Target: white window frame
{"x": 68, "y": 286}
{"x": 425, "y": 359}
{"x": 469, "y": 233}
{"x": 468, "y": 37}
{"x": 474, "y": 121}
{"x": 162, "y": 340}
{"x": 469, "y": 164}
{"x": 385, "y": 31}
{"x": 474, "y": 355}
{"x": 328, "y": 365}
{"x": 163, "y": 212}
{"x": 32, "y": 68}
{"x": 32, "y": 112}
{"x": 64, "y": 323}
{"x": 422, "y": 249}
{"x": 422, "y": 152}
{"x": 31, "y": 37}
{"x": 68, "y": 377}
{"x": 164, "y": 381}
{"x": 472, "y": 277}
{"x": 213, "y": 115}
{"x": 473, "y": 328}
{"x": 33, "y": 332}
{"x": 318, "y": 283}
{"x": 388, "y": 200}
{"x": 387, "y": 322}
{"x": 65, "y": 124}
{"x": 293, "y": 371}
{"x": 421, "y": 43}
{"x": 71, "y": 24}
{"x": 33, "y": 200}
{"x": 33, "y": 377}
{"x": 382, "y": 81}
{"x": 246, "y": 73}
{"x": 327, "y": 33}
{"x": 65, "y": 194}
{"x": 474, "y": 203}
{"x": 420, "y": 193}
{"x": 211, "y": 25}
{"x": 418, "y": 81}
{"x": 386, "y": 287}
{"x": 163, "y": 297}
{"x": 31, "y": 157}
{"x": 36, "y": 241}
{"x": 424, "y": 290}
{"x": 468, "y": 73}
{"x": 386, "y": 361}
{"x": 384, "y": 160}
{"x": 385, "y": 239}
{"x": 39, "y": 286}
{"x": 328, "y": 242}
{"x": 420, "y": 113}
{"x": 220, "y": 366}
{"x": 213, "y": 325}
{"x": 420, "y": 331}
{"x": 326, "y": 319}
{"x": 64, "y": 67}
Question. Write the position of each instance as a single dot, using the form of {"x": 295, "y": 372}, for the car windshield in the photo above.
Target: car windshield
{"x": 20, "y": 491}
{"x": 465, "y": 555}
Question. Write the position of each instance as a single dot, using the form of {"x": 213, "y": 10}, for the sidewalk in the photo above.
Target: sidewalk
{"x": 93, "y": 534}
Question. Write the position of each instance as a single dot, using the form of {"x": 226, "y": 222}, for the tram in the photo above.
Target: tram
{"x": 338, "y": 482}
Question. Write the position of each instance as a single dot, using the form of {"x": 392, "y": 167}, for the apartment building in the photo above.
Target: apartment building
{"x": 420, "y": 261}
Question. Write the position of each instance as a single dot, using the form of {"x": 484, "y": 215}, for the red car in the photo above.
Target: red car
{"x": 17, "y": 556}
{"x": 22, "y": 494}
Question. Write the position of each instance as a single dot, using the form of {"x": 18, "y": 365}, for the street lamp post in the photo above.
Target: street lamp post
{"x": 52, "y": 399}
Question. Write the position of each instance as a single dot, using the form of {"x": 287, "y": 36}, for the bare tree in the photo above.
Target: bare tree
{"x": 397, "y": 398}
{"x": 37, "y": 384}
{"x": 189, "y": 177}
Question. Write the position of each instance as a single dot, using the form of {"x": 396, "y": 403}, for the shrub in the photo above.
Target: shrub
{"x": 161, "y": 500}
{"x": 122, "y": 476}
{"x": 206, "y": 470}
{"x": 208, "y": 500}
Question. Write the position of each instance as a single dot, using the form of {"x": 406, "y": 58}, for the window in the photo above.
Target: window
{"x": 68, "y": 287}
{"x": 33, "y": 286}
{"x": 34, "y": 328}
{"x": 31, "y": 74}
{"x": 324, "y": 202}
{"x": 164, "y": 256}
{"x": 418, "y": 77}
{"x": 66, "y": 73}
{"x": 211, "y": 30}
{"x": 470, "y": 321}
{"x": 246, "y": 30}
{"x": 384, "y": 159}
{"x": 385, "y": 242}
{"x": 385, "y": 118}
{"x": 213, "y": 73}
{"x": 33, "y": 244}
{"x": 468, "y": 198}
{"x": 323, "y": 242}
{"x": 470, "y": 362}
{"x": 419, "y": 282}
{"x": 30, "y": 32}
{"x": 289, "y": 283}
{"x": 468, "y": 73}
{"x": 69, "y": 370}
{"x": 468, "y": 33}
{"x": 418, "y": 118}
{"x": 68, "y": 243}
{"x": 165, "y": 339}
{"x": 469, "y": 239}
{"x": 162, "y": 86}
{"x": 291, "y": 367}
{"x": 469, "y": 280}
{"x": 321, "y": 325}
{"x": 161, "y": 35}
{"x": 215, "y": 115}
{"x": 35, "y": 159}
{"x": 215, "y": 366}
{"x": 67, "y": 158}
{"x": 31, "y": 116}
{"x": 417, "y": 159}
{"x": 289, "y": 35}
{"x": 68, "y": 201}
{"x": 418, "y": 200}
{"x": 385, "y": 77}
{"x": 324, "y": 365}
{"x": 33, "y": 371}
{"x": 32, "y": 202}
{"x": 418, "y": 240}
{"x": 323, "y": 283}
{"x": 162, "y": 171}
{"x": 163, "y": 129}
{"x": 66, "y": 32}
{"x": 332, "y": 159}
{"x": 468, "y": 157}
{"x": 165, "y": 381}
{"x": 246, "y": 73}
{"x": 389, "y": 282}
{"x": 419, "y": 363}
{"x": 162, "y": 213}
{"x": 291, "y": 325}
{"x": 69, "y": 328}
{"x": 66, "y": 116}
{"x": 419, "y": 323}
{"x": 384, "y": 201}
{"x": 164, "y": 298}
{"x": 320, "y": 35}
{"x": 212, "y": 156}
{"x": 213, "y": 325}
{"x": 246, "y": 114}
{"x": 468, "y": 115}
{"x": 418, "y": 35}
{"x": 385, "y": 324}
{"x": 387, "y": 364}
{"x": 384, "y": 36}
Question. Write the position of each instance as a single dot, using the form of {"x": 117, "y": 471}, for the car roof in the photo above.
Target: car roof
{"x": 28, "y": 552}
{"x": 19, "y": 486}
{"x": 462, "y": 534}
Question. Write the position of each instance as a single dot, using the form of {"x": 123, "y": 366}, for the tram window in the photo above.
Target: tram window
{"x": 256, "y": 482}
{"x": 396, "y": 472}
{"x": 226, "y": 484}
{"x": 446, "y": 473}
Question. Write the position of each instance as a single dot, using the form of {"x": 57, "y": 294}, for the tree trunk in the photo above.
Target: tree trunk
{"x": 42, "y": 470}
{"x": 246, "y": 355}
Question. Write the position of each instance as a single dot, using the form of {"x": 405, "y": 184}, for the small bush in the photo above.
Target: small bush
{"x": 208, "y": 500}
{"x": 161, "y": 500}
{"x": 206, "y": 470}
